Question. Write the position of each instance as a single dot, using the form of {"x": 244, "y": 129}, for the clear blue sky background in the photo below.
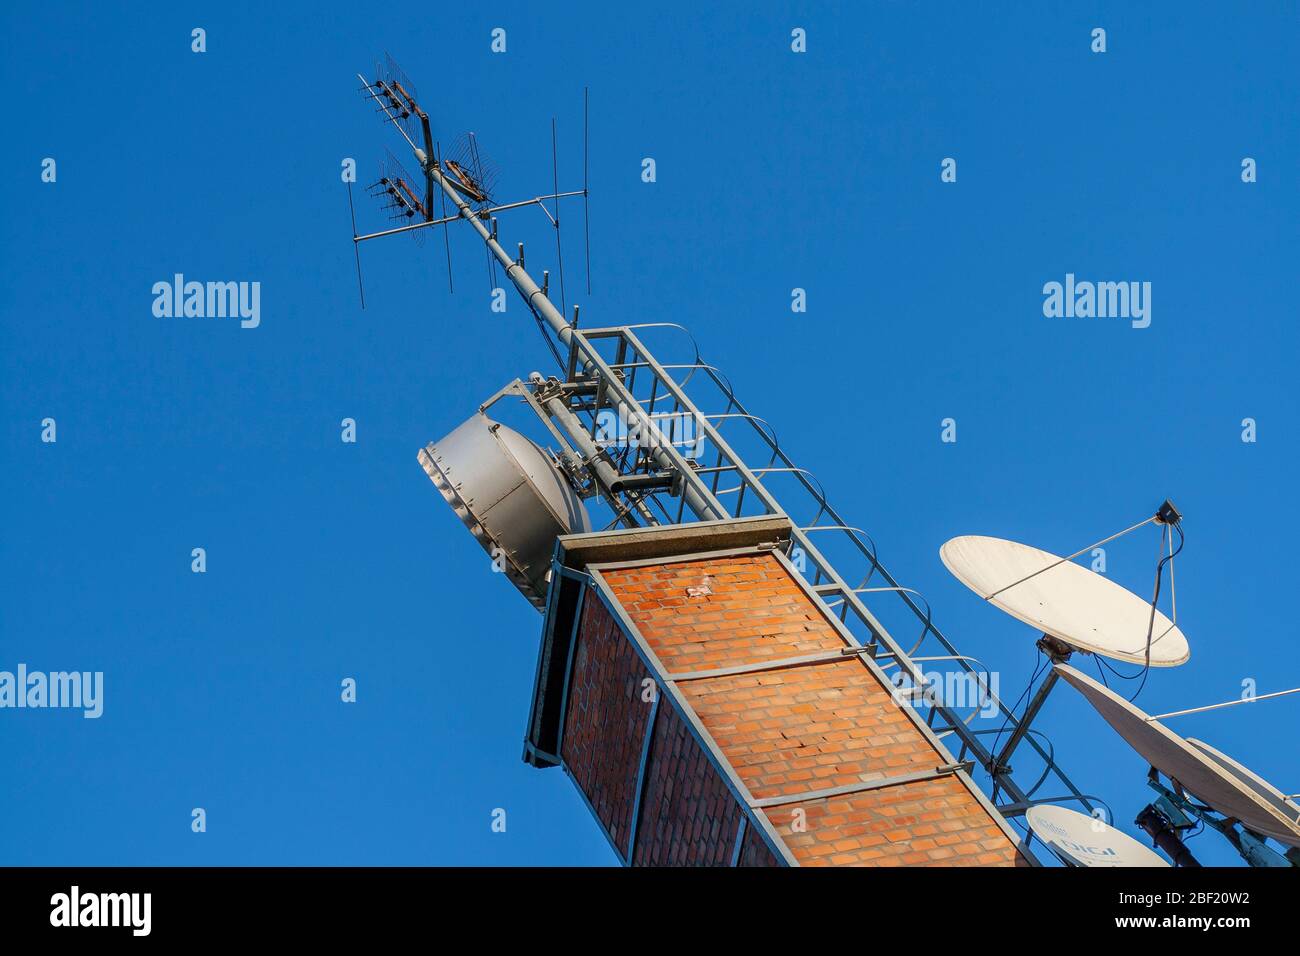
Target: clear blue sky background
{"x": 775, "y": 170}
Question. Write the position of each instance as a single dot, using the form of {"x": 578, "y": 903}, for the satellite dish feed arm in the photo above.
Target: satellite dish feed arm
{"x": 1071, "y": 557}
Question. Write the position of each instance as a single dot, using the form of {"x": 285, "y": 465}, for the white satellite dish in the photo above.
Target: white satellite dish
{"x": 1087, "y": 841}
{"x": 1208, "y": 775}
{"x": 1068, "y": 602}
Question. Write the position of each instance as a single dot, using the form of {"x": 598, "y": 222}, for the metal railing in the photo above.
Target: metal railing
{"x": 608, "y": 367}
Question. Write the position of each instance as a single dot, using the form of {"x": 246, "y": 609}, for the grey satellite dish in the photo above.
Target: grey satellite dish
{"x": 1068, "y": 602}
{"x": 1086, "y": 841}
{"x": 1212, "y": 778}
{"x": 1262, "y": 789}
{"x": 511, "y": 496}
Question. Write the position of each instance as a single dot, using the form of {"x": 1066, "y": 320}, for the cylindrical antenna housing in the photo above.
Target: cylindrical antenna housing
{"x": 509, "y": 493}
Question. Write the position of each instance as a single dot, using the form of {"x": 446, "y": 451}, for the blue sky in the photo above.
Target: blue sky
{"x": 774, "y": 170}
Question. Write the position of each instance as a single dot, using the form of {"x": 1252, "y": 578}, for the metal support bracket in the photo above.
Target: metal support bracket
{"x": 946, "y": 770}
{"x": 826, "y": 657}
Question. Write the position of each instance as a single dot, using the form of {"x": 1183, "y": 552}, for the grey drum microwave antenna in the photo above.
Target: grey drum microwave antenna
{"x": 1081, "y": 840}
{"x": 510, "y": 494}
{"x": 1196, "y": 769}
{"x": 1074, "y": 608}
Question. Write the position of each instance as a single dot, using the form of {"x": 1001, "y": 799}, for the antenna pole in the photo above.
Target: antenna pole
{"x": 1058, "y": 652}
{"x": 515, "y": 272}
{"x": 548, "y": 313}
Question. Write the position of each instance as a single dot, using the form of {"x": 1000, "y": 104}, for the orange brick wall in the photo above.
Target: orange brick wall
{"x": 804, "y": 728}
{"x": 606, "y": 721}
{"x": 687, "y": 816}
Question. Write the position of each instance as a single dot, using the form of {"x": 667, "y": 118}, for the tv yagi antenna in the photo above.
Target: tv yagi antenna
{"x": 463, "y": 178}
{"x": 700, "y": 455}
{"x": 403, "y": 197}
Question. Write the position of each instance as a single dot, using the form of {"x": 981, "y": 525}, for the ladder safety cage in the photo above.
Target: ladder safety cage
{"x": 609, "y": 366}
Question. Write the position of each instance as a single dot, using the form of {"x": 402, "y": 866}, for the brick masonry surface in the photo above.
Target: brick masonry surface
{"x": 606, "y": 720}
{"x": 783, "y": 732}
{"x": 687, "y": 817}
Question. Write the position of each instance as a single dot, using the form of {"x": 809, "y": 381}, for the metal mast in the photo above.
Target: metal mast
{"x": 649, "y": 486}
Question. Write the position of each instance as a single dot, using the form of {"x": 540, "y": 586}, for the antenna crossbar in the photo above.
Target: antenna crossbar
{"x": 535, "y": 201}
{"x": 1226, "y": 703}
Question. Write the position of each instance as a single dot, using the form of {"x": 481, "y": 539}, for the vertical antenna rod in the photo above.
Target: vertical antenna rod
{"x": 586, "y": 219}
{"x": 559, "y": 250}
{"x": 442, "y": 208}
{"x": 356, "y": 249}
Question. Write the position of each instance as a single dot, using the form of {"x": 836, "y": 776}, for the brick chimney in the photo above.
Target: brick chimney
{"x": 712, "y": 712}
